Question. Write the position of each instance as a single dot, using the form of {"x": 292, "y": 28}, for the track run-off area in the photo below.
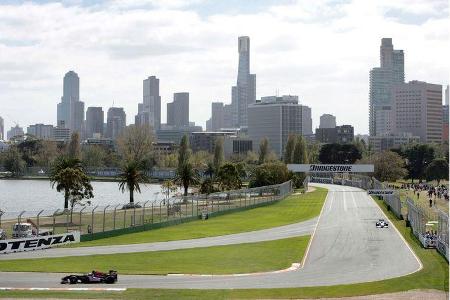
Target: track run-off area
{"x": 345, "y": 248}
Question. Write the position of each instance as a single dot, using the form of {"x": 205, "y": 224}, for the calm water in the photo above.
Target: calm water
{"x": 34, "y": 195}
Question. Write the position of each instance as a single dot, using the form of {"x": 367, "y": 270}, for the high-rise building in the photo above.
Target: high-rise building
{"x": 275, "y": 118}
{"x": 149, "y": 111}
{"x": 390, "y": 72}
{"x": 417, "y": 109}
{"x": 445, "y": 116}
{"x": 95, "y": 118}
{"x": 327, "y": 121}
{"x": 306, "y": 121}
{"x": 446, "y": 95}
{"x": 15, "y": 132}
{"x": 116, "y": 121}
{"x": 178, "y": 110}
{"x": 339, "y": 134}
{"x": 41, "y": 131}
{"x": 244, "y": 93}
{"x": 70, "y": 111}
{"x": 217, "y": 116}
{"x": 2, "y": 129}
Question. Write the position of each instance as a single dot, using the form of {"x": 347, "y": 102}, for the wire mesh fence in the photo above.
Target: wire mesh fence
{"x": 442, "y": 234}
{"x": 94, "y": 219}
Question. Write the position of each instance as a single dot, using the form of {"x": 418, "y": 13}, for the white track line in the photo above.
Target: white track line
{"x": 63, "y": 289}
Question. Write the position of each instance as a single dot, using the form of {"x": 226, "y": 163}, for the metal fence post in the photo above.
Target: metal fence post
{"x": 54, "y": 217}
{"x": 104, "y": 217}
{"x": 1, "y": 214}
{"x": 125, "y": 216}
{"x": 134, "y": 215}
{"x": 114, "y": 216}
{"x": 37, "y": 221}
{"x": 81, "y": 212}
{"x": 67, "y": 218}
{"x": 92, "y": 220}
{"x": 19, "y": 217}
{"x": 143, "y": 212}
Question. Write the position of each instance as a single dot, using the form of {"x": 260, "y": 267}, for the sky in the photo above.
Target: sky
{"x": 320, "y": 50}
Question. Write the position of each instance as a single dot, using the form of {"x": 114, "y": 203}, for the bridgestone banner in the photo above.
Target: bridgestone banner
{"x": 319, "y": 168}
{"x": 321, "y": 180}
{"x": 38, "y": 242}
{"x": 380, "y": 192}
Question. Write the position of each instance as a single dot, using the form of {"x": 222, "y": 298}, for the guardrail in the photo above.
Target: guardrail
{"x": 101, "y": 221}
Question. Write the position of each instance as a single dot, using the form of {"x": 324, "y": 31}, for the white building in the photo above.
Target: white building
{"x": 41, "y": 131}
{"x": 417, "y": 109}
{"x": 15, "y": 132}
{"x": 327, "y": 121}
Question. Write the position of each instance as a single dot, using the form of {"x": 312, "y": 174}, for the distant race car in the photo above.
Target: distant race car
{"x": 381, "y": 223}
{"x": 93, "y": 277}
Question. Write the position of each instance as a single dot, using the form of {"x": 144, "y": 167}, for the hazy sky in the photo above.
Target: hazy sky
{"x": 321, "y": 50}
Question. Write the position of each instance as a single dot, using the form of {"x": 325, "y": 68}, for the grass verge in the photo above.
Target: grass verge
{"x": 295, "y": 208}
{"x": 230, "y": 259}
{"x": 434, "y": 275}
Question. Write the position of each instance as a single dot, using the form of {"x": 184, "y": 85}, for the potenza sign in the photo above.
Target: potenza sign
{"x": 38, "y": 242}
{"x": 330, "y": 168}
{"x": 380, "y": 192}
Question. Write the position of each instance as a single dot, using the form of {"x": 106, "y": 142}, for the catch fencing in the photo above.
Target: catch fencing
{"x": 101, "y": 221}
{"x": 442, "y": 238}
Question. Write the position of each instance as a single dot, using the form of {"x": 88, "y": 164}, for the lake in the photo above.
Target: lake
{"x": 34, "y": 195}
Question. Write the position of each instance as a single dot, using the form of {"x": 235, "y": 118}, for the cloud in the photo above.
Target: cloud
{"x": 320, "y": 50}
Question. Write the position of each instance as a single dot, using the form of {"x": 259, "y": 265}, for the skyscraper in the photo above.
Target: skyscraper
{"x": 149, "y": 113}
{"x": 94, "y": 121}
{"x": 2, "y": 129}
{"x": 15, "y": 132}
{"x": 382, "y": 79}
{"x": 446, "y": 95}
{"x": 116, "y": 122}
{"x": 178, "y": 110}
{"x": 327, "y": 121}
{"x": 70, "y": 111}
{"x": 217, "y": 115}
{"x": 244, "y": 93}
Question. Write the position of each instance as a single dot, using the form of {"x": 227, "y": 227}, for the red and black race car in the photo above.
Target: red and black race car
{"x": 93, "y": 277}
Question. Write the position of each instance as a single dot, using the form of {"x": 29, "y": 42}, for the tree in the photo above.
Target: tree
{"x": 74, "y": 146}
{"x": 136, "y": 144}
{"x": 94, "y": 156}
{"x": 29, "y": 149}
{"x": 263, "y": 150}
{"x": 313, "y": 152}
{"x": 437, "y": 170}
{"x": 168, "y": 187}
{"x": 218, "y": 154}
{"x": 388, "y": 165}
{"x": 68, "y": 176}
{"x": 131, "y": 176}
{"x": 289, "y": 149}
{"x": 199, "y": 159}
{"x": 209, "y": 171}
{"x": 269, "y": 174}
{"x": 228, "y": 177}
{"x": 207, "y": 187}
{"x": 339, "y": 154}
{"x": 13, "y": 161}
{"x": 300, "y": 155}
{"x": 47, "y": 154}
{"x": 418, "y": 157}
{"x": 186, "y": 175}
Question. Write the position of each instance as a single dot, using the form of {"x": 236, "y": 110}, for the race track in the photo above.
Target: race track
{"x": 346, "y": 248}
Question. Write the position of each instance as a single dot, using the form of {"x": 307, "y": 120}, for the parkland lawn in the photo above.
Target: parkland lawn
{"x": 295, "y": 208}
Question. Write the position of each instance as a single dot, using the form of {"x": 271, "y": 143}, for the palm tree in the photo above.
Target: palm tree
{"x": 131, "y": 176}
{"x": 68, "y": 175}
{"x": 186, "y": 176}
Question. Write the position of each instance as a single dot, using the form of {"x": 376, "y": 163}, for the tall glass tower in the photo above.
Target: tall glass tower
{"x": 70, "y": 112}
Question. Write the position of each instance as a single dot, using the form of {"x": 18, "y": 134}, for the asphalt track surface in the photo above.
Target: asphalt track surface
{"x": 346, "y": 247}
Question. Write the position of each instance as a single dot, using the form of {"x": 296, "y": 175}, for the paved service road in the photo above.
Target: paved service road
{"x": 346, "y": 248}
{"x": 276, "y": 233}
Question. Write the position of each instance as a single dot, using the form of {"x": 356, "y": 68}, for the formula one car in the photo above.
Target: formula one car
{"x": 93, "y": 277}
{"x": 381, "y": 223}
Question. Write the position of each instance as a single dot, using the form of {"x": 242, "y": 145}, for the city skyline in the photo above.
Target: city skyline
{"x": 206, "y": 67}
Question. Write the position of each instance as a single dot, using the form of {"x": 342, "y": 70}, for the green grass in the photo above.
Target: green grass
{"x": 434, "y": 275}
{"x": 230, "y": 259}
{"x": 295, "y": 208}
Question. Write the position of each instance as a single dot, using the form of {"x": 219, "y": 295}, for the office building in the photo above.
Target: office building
{"x": 41, "y": 131}
{"x": 217, "y": 116}
{"x": 306, "y": 121}
{"x": 445, "y": 116}
{"x": 244, "y": 92}
{"x": 339, "y": 134}
{"x": 236, "y": 145}
{"x": 205, "y": 141}
{"x": 94, "y": 121}
{"x": 327, "y": 121}
{"x": 149, "y": 111}
{"x": 2, "y": 129}
{"x": 390, "y": 72}
{"x": 15, "y": 132}
{"x": 175, "y": 134}
{"x": 61, "y": 133}
{"x": 209, "y": 124}
{"x": 116, "y": 121}
{"x": 417, "y": 110}
{"x": 446, "y": 95}
{"x": 275, "y": 118}
{"x": 391, "y": 141}
{"x": 70, "y": 111}
{"x": 178, "y": 110}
